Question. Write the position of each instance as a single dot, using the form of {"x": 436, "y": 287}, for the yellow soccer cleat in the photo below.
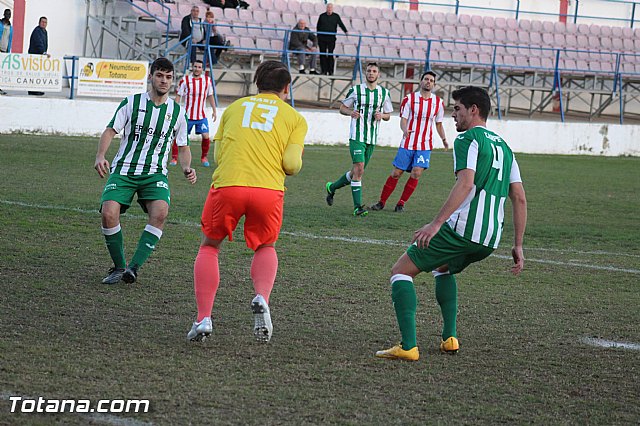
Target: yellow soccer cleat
{"x": 397, "y": 352}
{"x": 449, "y": 346}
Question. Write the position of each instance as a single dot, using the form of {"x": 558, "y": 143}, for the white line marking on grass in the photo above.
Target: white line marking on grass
{"x": 357, "y": 240}
{"x": 607, "y": 253}
{"x": 602, "y": 343}
{"x": 579, "y": 265}
{"x": 99, "y": 417}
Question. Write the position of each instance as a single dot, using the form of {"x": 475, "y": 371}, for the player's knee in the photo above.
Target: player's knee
{"x": 110, "y": 217}
{"x": 396, "y": 173}
{"x": 399, "y": 268}
{"x": 157, "y": 219}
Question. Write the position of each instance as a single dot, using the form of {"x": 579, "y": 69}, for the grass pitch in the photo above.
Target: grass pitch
{"x": 522, "y": 359}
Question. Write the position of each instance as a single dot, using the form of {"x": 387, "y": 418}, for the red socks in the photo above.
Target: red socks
{"x": 206, "y": 278}
{"x": 205, "y": 147}
{"x": 387, "y": 189}
{"x": 263, "y": 270}
{"x": 174, "y": 151}
{"x": 409, "y": 187}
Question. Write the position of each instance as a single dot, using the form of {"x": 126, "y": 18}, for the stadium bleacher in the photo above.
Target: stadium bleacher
{"x": 530, "y": 58}
{"x": 460, "y": 40}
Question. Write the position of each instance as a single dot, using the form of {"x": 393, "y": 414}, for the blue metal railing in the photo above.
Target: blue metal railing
{"x": 517, "y": 11}
{"x": 165, "y": 22}
{"x": 488, "y": 56}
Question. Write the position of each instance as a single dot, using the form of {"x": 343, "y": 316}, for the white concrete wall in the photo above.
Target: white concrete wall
{"x": 89, "y": 117}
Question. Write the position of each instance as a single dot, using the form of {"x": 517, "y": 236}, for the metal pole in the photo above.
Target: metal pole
{"x": 427, "y": 63}
{"x": 517, "y": 9}
{"x": 73, "y": 76}
{"x": 575, "y": 14}
{"x": 633, "y": 13}
{"x": 557, "y": 81}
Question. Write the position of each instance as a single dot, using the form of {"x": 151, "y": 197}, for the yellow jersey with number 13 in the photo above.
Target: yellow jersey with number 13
{"x": 253, "y": 134}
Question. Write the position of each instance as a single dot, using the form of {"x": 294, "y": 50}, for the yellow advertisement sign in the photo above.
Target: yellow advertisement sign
{"x": 111, "y": 77}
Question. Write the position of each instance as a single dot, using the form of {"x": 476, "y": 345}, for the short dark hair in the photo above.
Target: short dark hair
{"x": 41, "y": 18}
{"x": 161, "y": 64}
{"x": 472, "y": 95}
{"x": 372, "y": 64}
{"x": 199, "y": 61}
{"x": 272, "y": 76}
{"x": 429, "y": 72}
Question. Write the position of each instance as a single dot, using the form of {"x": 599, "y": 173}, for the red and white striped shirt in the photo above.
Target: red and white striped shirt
{"x": 195, "y": 90}
{"x": 422, "y": 114}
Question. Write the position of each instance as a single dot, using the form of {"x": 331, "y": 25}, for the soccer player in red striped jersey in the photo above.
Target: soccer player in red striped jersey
{"x": 420, "y": 112}
{"x": 196, "y": 89}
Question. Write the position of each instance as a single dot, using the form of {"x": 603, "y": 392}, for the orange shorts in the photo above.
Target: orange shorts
{"x": 262, "y": 209}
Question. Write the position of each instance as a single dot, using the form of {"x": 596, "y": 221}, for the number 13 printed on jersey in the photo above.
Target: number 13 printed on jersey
{"x": 269, "y": 116}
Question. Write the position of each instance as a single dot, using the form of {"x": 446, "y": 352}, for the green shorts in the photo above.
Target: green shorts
{"x": 447, "y": 248}
{"x": 122, "y": 188}
{"x": 360, "y": 152}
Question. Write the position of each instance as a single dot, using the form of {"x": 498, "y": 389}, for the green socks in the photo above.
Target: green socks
{"x": 147, "y": 243}
{"x": 344, "y": 180}
{"x": 115, "y": 245}
{"x": 447, "y": 297}
{"x": 356, "y": 193}
{"x": 405, "y": 302}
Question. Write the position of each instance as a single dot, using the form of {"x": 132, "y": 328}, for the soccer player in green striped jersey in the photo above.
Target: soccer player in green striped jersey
{"x": 148, "y": 124}
{"x": 367, "y": 104}
{"x": 468, "y": 227}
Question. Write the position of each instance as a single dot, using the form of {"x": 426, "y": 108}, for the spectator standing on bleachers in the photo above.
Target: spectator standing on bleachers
{"x": 328, "y": 23}
{"x": 215, "y": 38}
{"x": 299, "y": 44}
{"x": 420, "y": 112}
{"x": 367, "y": 104}
{"x": 195, "y": 89}
{"x": 39, "y": 43}
{"x": 228, "y": 4}
{"x": 192, "y": 26}
{"x": 6, "y": 35}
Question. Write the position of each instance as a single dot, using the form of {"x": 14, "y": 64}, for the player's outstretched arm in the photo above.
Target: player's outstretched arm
{"x": 102, "y": 165}
{"x": 519, "y": 202}
{"x": 184, "y": 156}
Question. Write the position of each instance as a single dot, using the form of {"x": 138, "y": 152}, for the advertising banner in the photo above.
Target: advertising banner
{"x": 21, "y": 71}
{"x": 111, "y": 78}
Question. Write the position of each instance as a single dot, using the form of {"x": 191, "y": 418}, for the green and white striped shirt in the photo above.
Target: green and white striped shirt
{"x": 147, "y": 133}
{"x": 367, "y": 102}
{"x": 480, "y": 218}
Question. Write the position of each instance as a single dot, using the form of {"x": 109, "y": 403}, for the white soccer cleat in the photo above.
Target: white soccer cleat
{"x": 200, "y": 330}
{"x": 262, "y": 328}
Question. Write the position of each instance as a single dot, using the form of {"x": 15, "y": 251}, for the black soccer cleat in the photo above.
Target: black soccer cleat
{"x": 130, "y": 274}
{"x": 377, "y": 206}
{"x": 329, "y": 193}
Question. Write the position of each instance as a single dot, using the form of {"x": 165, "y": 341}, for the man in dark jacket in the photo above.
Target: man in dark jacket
{"x": 328, "y": 23}
{"x": 228, "y": 4}
{"x": 192, "y": 26}
{"x": 299, "y": 43}
{"x": 39, "y": 43}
